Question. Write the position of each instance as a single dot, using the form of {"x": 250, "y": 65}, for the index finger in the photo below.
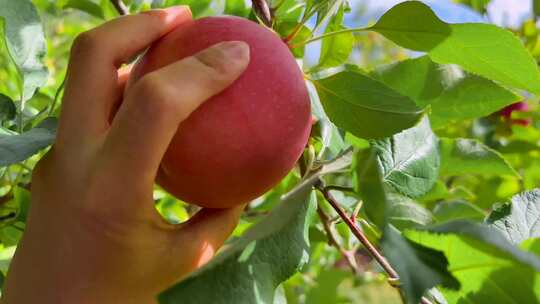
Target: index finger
{"x": 92, "y": 85}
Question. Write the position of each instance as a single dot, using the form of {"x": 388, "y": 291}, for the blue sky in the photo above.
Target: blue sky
{"x": 502, "y": 12}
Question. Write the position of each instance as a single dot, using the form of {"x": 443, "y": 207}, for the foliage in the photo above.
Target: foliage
{"x": 409, "y": 154}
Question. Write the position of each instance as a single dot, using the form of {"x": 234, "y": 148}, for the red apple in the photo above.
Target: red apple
{"x": 242, "y": 142}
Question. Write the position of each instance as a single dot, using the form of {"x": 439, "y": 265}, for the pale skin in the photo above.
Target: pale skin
{"x": 93, "y": 234}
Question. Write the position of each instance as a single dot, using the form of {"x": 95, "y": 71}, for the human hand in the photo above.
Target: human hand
{"x": 93, "y": 234}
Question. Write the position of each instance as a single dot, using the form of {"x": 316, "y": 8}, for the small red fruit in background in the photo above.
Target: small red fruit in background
{"x": 522, "y": 106}
{"x": 243, "y": 141}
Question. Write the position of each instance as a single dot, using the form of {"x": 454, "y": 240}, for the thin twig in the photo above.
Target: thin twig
{"x": 333, "y": 241}
{"x": 120, "y": 7}
{"x": 351, "y": 30}
{"x": 374, "y": 252}
{"x": 358, "y": 233}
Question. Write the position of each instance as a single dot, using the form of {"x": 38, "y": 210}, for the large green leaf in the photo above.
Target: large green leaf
{"x": 470, "y": 156}
{"x": 16, "y": 148}
{"x": 368, "y": 183}
{"x": 364, "y": 106}
{"x": 25, "y": 40}
{"x": 488, "y": 267}
{"x": 409, "y": 160}
{"x": 413, "y": 25}
{"x": 452, "y": 94}
{"x": 332, "y": 141}
{"x": 447, "y": 211}
{"x": 419, "y": 268}
{"x": 253, "y": 266}
{"x": 483, "y": 49}
{"x": 405, "y": 213}
{"x": 469, "y": 97}
{"x": 518, "y": 220}
{"x": 420, "y": 78}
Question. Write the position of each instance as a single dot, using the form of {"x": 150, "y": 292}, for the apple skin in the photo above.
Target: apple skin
{"x": 243, "y": 141}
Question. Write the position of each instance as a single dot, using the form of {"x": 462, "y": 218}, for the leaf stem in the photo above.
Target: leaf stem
{"x": 120, "y": 7}
{"x": 57, "y": 96}
{"x": 351, "y": 30}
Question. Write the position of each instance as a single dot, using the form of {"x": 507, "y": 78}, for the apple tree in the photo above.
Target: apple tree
{"x": 417, "y": 185}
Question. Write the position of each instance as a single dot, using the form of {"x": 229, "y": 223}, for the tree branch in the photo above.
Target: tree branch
{"x": 333, "y": 241}
{"x": 359, "y": 234}
{"x": 120, "y": 7}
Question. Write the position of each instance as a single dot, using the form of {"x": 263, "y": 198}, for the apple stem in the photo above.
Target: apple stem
{"x": 263, "y": 11}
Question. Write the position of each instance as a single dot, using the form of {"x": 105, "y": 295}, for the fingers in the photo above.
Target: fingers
{"x": 155, "y": 105}
{"x": 202, "y": 236}
{"x": 92, "y": 83}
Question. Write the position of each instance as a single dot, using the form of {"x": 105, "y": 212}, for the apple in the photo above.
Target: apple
{"x": 243, "y": 141}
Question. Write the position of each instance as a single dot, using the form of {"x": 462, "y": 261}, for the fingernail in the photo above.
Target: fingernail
{"x": 174, "y": 11}
{"x": 238, "y": 50}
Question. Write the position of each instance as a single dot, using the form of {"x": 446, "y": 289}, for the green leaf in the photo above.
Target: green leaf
{"x": 289, "y": 11}
{"x": 25, "y": 40}
{"x": 536, "y": 8}
{"x": 420, "y": 78}
{"x": 198, "y": 7}
{"x": 332, "y": 140}
{"x": 7, "y": 108}
{"x": 22, "y": 199}
{"x": 470, "y": 156}
{"x": 16, "y": 148}
{"x": 86, "y": 6}
{"x": 478, "y": 5}
{"x": 452, "y": 94}
{"x": 482, "y": 49}
{"x": 489, "y": 236}
{"x": 335, "y": 50}
{"x": 409, "y": 160}
{"x": 413, "y": 25}
{"x": 469, "y": 97}
{"x": 457, "y": 210}
{"x": 236, "y": 8}
{"x": 419, "y": 267}
{"x": 326, "y": 290}
{"x": 364, "y": 106}
{"x": 405, "y": 213}
{"x": 286, "y": 28}
{"x": 251, "y": 268}
{"x": 368, "y": 183}
{"x": 518, "y": 220}
{"x": 488, "y": 267}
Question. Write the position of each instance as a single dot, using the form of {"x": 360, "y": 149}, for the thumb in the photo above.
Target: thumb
{"x": 199, "y": 239}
